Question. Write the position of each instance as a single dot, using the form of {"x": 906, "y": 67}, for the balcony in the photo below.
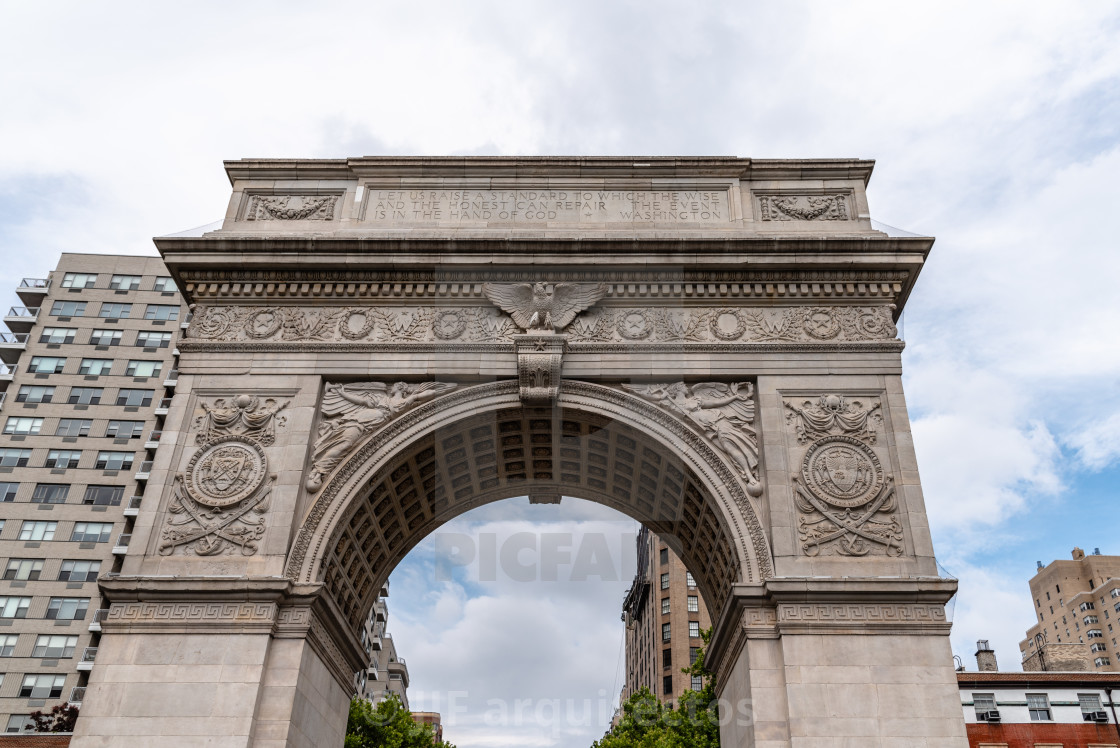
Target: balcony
{"x": 77, "y": 693}
{"x": 12, "y": 344}
{"x": 121, "y": 546}
{"x": 32, "y": 290}
{"x": 399, "y": 669}
{"x": 186, "y": 321}
{"x": 172, "y": 378}
{"x": 3, "y": 397}
{"x": 153, "y": 440}
{"x": 380, "y": 611}
{"x": 88, "y": 656}
{"x": 99, "y": 615}
{"x": 21, "y": 318}
{"x": 7, "y": 371}
{"x": 132, "y": 508}
{"x": 145, "y": 470}
{"x": 163, "y": 406}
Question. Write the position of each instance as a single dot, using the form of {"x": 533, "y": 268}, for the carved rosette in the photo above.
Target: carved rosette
{"x": 845, "y": 499}
{"x": 219, "y": 504}
{"x": 539, "y": 361}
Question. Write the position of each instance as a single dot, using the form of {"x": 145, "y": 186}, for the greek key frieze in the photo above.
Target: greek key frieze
{"x": 185, "y": 611}
{"x": 845, "y": 613}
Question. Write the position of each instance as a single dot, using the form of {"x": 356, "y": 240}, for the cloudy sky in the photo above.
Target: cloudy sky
{"x": 994, "y": 125}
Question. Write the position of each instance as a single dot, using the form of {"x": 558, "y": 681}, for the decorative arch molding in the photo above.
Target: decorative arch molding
{"x": 347, "y": 482}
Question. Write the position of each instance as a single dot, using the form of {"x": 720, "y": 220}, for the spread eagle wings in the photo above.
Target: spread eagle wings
{"x": 335, "y": 403}
{"x": 514, "y": 298}
{"x": 569, "y": 299}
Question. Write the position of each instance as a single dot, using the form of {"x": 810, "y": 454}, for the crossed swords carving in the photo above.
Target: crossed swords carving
{"x": 851, "y": 527}
{"x": 210, "y": 534}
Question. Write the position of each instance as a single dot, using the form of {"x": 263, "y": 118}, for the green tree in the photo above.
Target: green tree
{"x": 646, "y": 723}
{"x": 388, "y": 725}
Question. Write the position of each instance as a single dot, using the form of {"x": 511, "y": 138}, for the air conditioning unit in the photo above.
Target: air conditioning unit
{"x": 993, "y": 716}
{"x": 1100, "y": 716}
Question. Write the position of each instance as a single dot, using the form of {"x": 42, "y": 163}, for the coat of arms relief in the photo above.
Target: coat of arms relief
{"x": 845, "y": 499}
{"x": 219, "y": 503}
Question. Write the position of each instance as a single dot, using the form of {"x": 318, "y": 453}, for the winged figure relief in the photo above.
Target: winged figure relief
{"x": 353, "y": 411}
{"x": 535, "y": 307}
{"x": 724, "y": 413}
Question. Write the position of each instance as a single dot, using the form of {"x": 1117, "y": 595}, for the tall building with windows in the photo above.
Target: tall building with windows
{"x": 664, "y": 614}
{"x": 1077, "y": 604}
{"x": 387, "y": 673}
{"x": 86, "y": 377}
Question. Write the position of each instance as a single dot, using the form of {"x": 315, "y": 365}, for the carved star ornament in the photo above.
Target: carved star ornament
{"x": 539, "y": 306}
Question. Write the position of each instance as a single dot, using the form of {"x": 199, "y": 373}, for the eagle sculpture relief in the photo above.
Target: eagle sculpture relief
{"x": 535, "y": 307}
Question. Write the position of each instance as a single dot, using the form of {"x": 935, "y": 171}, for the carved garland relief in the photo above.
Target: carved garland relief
{"x": 291, "y": 207}
{"x": 817, "y": 324}
{"x": 832, "y": 207}
{"x": 845, "y": 499}
{"x": 219, "y": 503}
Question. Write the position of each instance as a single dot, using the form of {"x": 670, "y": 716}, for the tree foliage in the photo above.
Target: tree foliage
{"x": 388, "y": 725}
{"x": 60, "y": 718}
{"x": 647, "y": 723}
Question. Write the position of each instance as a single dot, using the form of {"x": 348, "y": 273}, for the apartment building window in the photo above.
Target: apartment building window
{"x": 22, "y": 426}
{"x": 125, "y": 429}
{"x": 694, "y": 629}
{"x": 95, "y": 367}
{"x": 105, "y": 337}
{"x": 73, "y": 427}
{"x": 50, "y": 493}
{"x": 79, "y": 280}
{"x": 134, "y": 398}
{"x": 34, "y": 393}
{"x": 667, "y": 685}
{"x": 14, "y": 607}
{"x": 63, "y": 458}
{"x": 85, "y": 395}
{"x": 46, "y": 365}
{"x": 144, "y": 368}
{"x": 665, "y": 581}
{"x": 43, "y": 686}
{"x": 1115, "y": 592}
{"x": 24, "y": 569}
{"x": 664, "y": 605}
{"x": 37, "y": 530}
{"x": 664, "y": 556}
{"x": 146, "y": 339}
{"x": 8, "y": 491}
{"x": 1095, "y": 634}
{"x": 1089, "y": 619}
{"x": 8, "y": 645}
{"x": 103, "y": 495}
{"x": 112, "y": 310}
{"x": 67, "y": 608}
{"x": 697, "y": 682}
{"x": 124, "y": 282}
{"x": 91, "y": 532}
{"x": 68, "y": 309}
{"x": 665, "y": 633}
{"x": 1086, "y": 606}
{"x": 54, "y": 647}
{"x": 18, "y": 722}
{"x": 168, "y": 312}
{"x": 1102, "y": 661}
{"x": 1098, "y": 647}
{"x": 666, "y": 658}
{"x": 164, "y": 283}
{"x": 693, "y": 604}
{"x": 79, "y": 571}
{"x": 689, "y": 580}
{"x": 114, "y": 461}
{"x": 57, "y": 335}
{"x": 14, "y": 457}
{"x": 1039, "y": 707}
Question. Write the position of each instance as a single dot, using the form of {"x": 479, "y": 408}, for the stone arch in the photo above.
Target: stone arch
{"x": 480, "y": 444}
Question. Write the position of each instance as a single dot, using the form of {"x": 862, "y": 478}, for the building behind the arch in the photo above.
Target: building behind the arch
{"x": 380, "y": 344}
